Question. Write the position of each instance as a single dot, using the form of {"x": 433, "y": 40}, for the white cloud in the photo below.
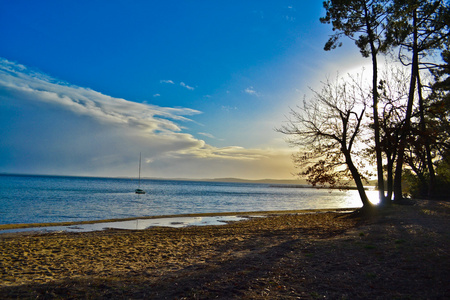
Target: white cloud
{"x": 233, "y": 162}
{"x": 54, "y": 127}
{"x": 156, "y": 95}
{"x": 38, "y": 87}
{"x": 251, "y": 91}
{"x": 207, "y": 135}
{"x": 186, "y": 86}
{"x": 181, "y": 84}
{"x": 166, "y": 81}
{"x": 228, "y": 108}
{"x": 290, "y": 19}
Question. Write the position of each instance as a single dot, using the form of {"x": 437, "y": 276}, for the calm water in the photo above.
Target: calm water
{"x": 38, "y": 199}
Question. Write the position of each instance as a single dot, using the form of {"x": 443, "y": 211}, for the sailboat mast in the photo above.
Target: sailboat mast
{"x": 138, "y": 190}
{"x": 140, "y": 169}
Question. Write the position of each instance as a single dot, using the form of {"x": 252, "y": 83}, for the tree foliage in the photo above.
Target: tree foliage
{"x": 360, "y": 21}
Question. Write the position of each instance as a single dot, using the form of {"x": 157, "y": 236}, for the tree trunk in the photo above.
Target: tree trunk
{"x": 426, "y": 139}
{"x": 377, "y": 134}
{"x": 358, "y": 181}
{"x": 378, "y": 149}
{"x": 390, "y": 178}
{"x": 406, "y": 127}
{"x": 421, "y": 175}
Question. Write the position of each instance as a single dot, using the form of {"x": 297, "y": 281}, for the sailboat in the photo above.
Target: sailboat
{"x": 139, "y": 190}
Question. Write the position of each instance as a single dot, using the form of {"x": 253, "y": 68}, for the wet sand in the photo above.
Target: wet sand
{"x": 401, "y": 253}
{"x": 10, "y": 227}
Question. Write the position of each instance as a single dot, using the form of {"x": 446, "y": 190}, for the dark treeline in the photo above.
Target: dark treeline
{"x": 399, "y": 122}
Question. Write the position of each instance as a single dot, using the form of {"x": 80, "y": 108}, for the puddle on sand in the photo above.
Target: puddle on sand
{"x": 137, "y": 224}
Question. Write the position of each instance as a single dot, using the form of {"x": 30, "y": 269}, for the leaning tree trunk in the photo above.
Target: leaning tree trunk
{"x": 358, "y": 181}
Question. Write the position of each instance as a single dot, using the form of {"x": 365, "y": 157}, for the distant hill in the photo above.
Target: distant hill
{"x": 282, "y": 182}
{"x": 289, "y": 182}
{"x": 268, "y": 181}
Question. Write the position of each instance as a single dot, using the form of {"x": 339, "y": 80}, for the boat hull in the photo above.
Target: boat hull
{"x": 139, "y": 191}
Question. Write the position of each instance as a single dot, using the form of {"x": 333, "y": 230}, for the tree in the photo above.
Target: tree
{"x": 439, "y": 105}
{"x": 393, "y": 93}
{"x": 327, "y": 130}
{"x": 418, "y": 28}
{"x": 438, "y": 114}
{"x": 362, "y": 21}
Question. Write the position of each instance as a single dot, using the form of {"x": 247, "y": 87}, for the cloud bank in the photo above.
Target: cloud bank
{"x": 53, "y": 127}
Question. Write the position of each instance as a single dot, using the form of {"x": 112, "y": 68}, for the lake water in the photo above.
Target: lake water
{"x": 42, "y": 199}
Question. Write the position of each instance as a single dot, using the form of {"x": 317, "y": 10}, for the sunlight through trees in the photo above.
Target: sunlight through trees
{"x": 408, "y": 131}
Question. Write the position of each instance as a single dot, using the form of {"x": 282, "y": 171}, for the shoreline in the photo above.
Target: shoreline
{"x": 218, "y": 214}
{"x": 402, "y": 253}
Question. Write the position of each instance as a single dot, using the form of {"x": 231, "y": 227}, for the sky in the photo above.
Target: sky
{"x": 197, "y": 87}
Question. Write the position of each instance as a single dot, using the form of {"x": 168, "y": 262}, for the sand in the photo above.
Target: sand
{"x": 401, "y": 253}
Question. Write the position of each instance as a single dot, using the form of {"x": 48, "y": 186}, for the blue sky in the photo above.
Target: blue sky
{"x": 196, "y": 86}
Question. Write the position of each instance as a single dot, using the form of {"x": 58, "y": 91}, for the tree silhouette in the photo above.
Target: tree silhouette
{"x": 327, "y": 129}
{"x": 362, "y": 21}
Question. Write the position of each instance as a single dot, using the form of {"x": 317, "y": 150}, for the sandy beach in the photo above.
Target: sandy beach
{"x": 402, "y": 253}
